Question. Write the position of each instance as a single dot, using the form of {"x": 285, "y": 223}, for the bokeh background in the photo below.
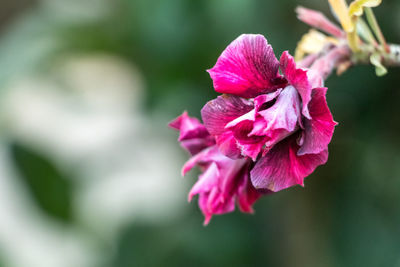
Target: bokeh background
{"x": 90, "y": 174}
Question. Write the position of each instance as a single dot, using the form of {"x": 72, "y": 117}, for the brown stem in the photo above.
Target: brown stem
{"x": 391, "y": 59}
{"x": 341, "y": 58}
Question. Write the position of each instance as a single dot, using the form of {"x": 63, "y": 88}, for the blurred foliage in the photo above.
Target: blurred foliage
{"x": 187, "y": 242}
{"x": 49, "y": 187}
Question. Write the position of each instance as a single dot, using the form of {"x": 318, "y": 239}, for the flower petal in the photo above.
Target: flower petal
{"x": 193, "y": 136}
{"x": 195, "y": 145}
{"x": 281, "y": 119}
{"x": 189, "y": 127}
{"x": 202, "y": 159}
{"x": 318, "y": 20}
{"x": 218, "y": 186}
{"x": 319, "y": 130}
{"x": 209, "y": 205}
{"x": 246, "y": 68}
{"x": 217, "y": 113}
{"x": 247, "y": 195}
{"x": 261, "y": 101}
{"x": 250, "y": 146}
{"x": 240, "y": 129}
{"x": 298, "y": 78}
{"x": 206, "y": 181}
{"x": 228, "y": 146}
{"x": 281, "y": 167}
{"x": 270, "y": 124}
{"x": 249, "y": 116}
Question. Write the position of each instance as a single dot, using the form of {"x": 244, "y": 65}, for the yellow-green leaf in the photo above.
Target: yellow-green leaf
{"x": 375, "y": 60}
{"x": 357, "y": 7}
{"x": 342, "y": 11}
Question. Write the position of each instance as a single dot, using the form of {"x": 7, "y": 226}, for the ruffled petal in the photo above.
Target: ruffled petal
{"x": 240, "y": 129}
{"x": 195, "y": 145}
{"x": 274, "y": 117}
{"x": 266, "y": 100}
{"x": 217, "y": 113}
{"x": 202, "y": 159}
{"x": 189, "y": 127}
{"x": 218, "y": 186}
{"x": 193, "y": 136}
{"x": 206, "y": 181}
{"x": 280, "y": 120}
{"x": 250, "y": 146}
{"x": 246, "y": 68}
{"x": 209, "y": 206}
{"x": 281, "y": 167}
{"x": 319, "y": 130}
{"x": 298, "y": 78}
{"x": 228, "y": 146}
{"x": 249, "y": 116}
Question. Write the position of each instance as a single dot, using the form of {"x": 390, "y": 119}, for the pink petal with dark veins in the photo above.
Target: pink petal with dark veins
{"x": 280, "y": 120}
{"x": 223, "y": 182}
{"x": 254, "y": 130}
{"x": 246, "y": 68}
{"x": 298, "y": 78}
{"x": 217, "y": 187}
{"x": 193, "y": 136}
{"x": 217, "y": 113}
{"x": 319, "y": 130}
{"x": 281, "y": 167}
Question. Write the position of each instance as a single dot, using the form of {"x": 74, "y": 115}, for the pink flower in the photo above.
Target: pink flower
{"x": 267, "y": 132}
{"x": 224, "y": 181}
{"x": 285, "y": 129}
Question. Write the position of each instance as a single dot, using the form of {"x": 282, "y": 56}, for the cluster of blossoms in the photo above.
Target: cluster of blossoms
{"x": 267, "y": 132}
{"x": 271, "y": 126}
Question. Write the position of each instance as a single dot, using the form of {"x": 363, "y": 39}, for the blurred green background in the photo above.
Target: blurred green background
{"x": 89, "y": 172}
